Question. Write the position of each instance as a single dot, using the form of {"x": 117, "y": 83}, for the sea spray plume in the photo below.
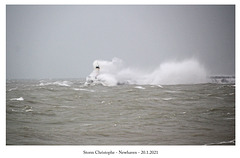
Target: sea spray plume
{"x": 107, "y": 72}
{"x": 189, "y": 71}
{"x": 114, "y": 72}
{"x": 109, "y": 66}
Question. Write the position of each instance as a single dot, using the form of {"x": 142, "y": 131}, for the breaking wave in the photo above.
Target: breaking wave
{"x": 111, "y": 73}
{"x": 18, "y": 99}
{"x": 58, "y": 83}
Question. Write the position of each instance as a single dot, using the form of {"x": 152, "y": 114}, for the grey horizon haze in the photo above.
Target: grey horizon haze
{"x": 62, "y": 41}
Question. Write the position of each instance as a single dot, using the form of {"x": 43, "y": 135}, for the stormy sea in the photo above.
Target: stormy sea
{"x": 106, "y": 108}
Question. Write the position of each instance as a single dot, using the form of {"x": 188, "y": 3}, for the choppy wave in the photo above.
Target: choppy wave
{"x": 18, "y": 99}
{"x": 12, "y": 89}
{"x": 230, "y": 142}
{"x": 55, "y": 114}
{"x": 82, "y": 89}
{"x": 139, "y": 87}
{"x": 59, "y": 83}
{"x": 114, "y": 72}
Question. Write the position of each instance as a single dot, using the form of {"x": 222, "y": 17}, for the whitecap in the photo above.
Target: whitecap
{"x": 44, "y": 84}
{"x": 11, "y": 89}
{"x": 139, "y": 87}
{"x": 28, "y": 110}
{"x": 14, "y": 110}
{"x": 62, "y": 83}
{"x": 157, "y": 86}
{"x": 59, "y": 83}
{"x": 172, "y": 91}
{"x": 18, "y": 99}
{"x": 166, "y": 99}
{"x": 160, "y": 86}
{"x": 82, "y": 89}
{"x": 224, "y": 142}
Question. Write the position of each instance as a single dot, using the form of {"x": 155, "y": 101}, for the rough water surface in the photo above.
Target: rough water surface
{"x": 44, "y": 112}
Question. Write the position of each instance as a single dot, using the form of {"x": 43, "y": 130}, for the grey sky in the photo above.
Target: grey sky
{"x": 63, "y": 41}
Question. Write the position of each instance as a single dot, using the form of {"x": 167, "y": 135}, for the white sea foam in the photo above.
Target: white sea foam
{"x": 11, "y": 89}
{"x": 14, "y": 110}
{"x": 62, "y": 83}
{"x": 166, "y": 99}
{"x": 82, "y": 89}
{"x": 59, "y": 83}
{"x": 28, "y": 110}
{"x": 139, "y": 87}
{"x": 18, "y": 99}
{"x": 223, "y": 142}
{"x": 160, "y": 86}
{"x": 114, "y": 72}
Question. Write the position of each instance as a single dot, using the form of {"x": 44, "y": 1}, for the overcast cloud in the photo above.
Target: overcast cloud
{"x": 63, "y": 41}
